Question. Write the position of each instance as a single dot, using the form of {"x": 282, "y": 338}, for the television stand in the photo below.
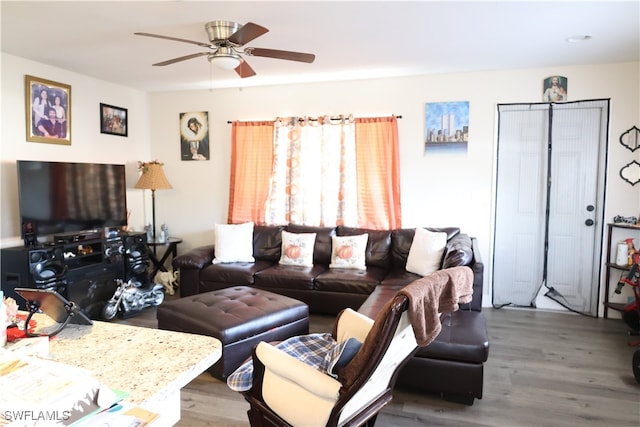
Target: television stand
{"x": 83, "y": 272}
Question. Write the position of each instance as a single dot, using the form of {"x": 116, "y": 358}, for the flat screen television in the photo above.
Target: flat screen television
{"x": 61, "y": 197}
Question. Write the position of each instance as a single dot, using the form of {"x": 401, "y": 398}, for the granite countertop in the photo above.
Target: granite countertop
{"x": 149, "y": 364}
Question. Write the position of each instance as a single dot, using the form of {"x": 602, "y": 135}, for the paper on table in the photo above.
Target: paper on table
{"x": 33, "y": 389}
{"x": 124, "y": 414}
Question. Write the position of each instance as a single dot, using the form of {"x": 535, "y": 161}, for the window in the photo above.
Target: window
{"x": 322, "y": 172}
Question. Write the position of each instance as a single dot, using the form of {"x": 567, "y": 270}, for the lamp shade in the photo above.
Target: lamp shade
{"x": 153, "y": 178}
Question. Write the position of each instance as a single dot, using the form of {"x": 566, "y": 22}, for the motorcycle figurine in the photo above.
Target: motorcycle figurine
{"x": 131, "y": 296}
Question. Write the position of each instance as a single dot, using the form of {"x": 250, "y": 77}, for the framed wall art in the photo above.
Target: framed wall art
{"x": 555, "y": 89}
{"x": 194, "y": 136}
{"x": 446, "y": 126}
{"x": 113, "y": 120}
{"x": 48, "y": 111}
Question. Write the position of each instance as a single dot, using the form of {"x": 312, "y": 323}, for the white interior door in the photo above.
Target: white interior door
{"x": 549, "y": 203}
{"x": 573, "y": 266}
{"x": 520, "y": 205}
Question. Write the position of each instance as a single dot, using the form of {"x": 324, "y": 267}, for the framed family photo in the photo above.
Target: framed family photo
{"x": 48, "y": 111}
{"x": 113, "y": 120}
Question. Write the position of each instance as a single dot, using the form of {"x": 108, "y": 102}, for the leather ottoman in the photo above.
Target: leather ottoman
{"x": 239, "y": 317}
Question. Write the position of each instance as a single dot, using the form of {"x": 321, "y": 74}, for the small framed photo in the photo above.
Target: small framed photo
{"x": 48, "y": 111}
{"x": 555, "y": 89}
{"x": 113, "y": 120}
{"x": 194, "y": 136}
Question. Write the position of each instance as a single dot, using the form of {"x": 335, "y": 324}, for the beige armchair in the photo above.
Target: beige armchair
{"x": 286, "y": 391}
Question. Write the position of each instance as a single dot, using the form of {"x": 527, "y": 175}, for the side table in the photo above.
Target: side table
{"x": 171, "y": 248}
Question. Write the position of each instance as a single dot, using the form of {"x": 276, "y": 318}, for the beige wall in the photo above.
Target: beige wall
{"x": 437, "y": 190}
{"x": 87, "y": 143}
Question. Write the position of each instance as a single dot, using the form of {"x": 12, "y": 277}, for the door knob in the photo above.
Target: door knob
{"x": 589, "y": 222}
{"x": 590, "y": 208}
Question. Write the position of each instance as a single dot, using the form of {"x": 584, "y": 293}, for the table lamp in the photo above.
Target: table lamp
{"x": 153, "y": 179}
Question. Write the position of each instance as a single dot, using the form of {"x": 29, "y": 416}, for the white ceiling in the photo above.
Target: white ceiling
{"x": 351, "y": 40}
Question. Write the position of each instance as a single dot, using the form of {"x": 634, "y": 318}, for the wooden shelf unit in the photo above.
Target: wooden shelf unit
{"x": 611, "y": 265}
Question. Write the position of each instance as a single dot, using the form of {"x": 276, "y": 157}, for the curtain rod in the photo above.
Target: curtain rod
{"x": 301, "y": 119}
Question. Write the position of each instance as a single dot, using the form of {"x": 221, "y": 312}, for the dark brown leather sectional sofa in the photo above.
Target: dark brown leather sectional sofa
{"x": 451, "y": 366}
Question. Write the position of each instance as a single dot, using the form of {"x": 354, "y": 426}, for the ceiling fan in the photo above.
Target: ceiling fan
{"x": 226, "y": 45}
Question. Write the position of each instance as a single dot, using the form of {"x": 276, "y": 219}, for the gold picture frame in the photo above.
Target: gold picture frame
{"x": 42, "y": 97}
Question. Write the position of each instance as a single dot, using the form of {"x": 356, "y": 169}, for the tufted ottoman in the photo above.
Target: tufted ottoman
{"x": 239, "y": 317}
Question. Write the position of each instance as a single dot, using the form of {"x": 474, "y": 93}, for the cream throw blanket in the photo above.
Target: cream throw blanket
{"x": 437, "y": 293}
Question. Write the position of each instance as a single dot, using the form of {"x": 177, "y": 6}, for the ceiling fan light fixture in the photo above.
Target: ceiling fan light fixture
{"x": 226, "y": 62}
{"x": 226, "y": 47}
{"x": 225, "y": 58}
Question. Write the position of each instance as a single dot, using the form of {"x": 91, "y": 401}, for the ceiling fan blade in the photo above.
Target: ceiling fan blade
{"x": 174, "y": 39}
{"x": 244, "y": 70}
{"x": 248, "y": 32}
{"x": 182, "y": 58}
{"x": 280, "y": 54}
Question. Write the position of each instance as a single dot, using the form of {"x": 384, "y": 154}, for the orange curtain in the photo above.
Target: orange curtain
{"x": 251, "y": 164}
{"x": 378, "y": 166}
{"x": 377, "y": 169}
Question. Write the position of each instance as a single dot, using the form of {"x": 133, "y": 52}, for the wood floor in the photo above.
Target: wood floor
{"x": 544, "y": 369}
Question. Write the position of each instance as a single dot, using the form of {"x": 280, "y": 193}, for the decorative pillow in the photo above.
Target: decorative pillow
{"x": 297, "y": 248}
{"x": 342, "y": 354}
{"x": 233, "y": 243}
{"x": 349, "y": 251}
{"x": 425, "y": 254}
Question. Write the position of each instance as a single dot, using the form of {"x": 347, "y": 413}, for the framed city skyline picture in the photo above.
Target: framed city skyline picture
{"x": 446, "y": 126}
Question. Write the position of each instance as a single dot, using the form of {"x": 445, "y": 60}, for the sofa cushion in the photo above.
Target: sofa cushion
{"x": 349, "y": 251}
{"x": 425, "y": 253}
{"x": 237, "y": 273}
{"x": 350, "y": 280}
{"x": 378, "y": 252}
{"x": 195, "y": 259}
{"x": 281, "y": 276}
{"x": 233, "y": 243}
{"x": 297, "y": 249}
{"x": 458, "y": 251}
{"x": 322, "y": 250}
{"x": 463, "y": 338}
{"x": 399, "y": 277}
{"x": 267, "y": 242}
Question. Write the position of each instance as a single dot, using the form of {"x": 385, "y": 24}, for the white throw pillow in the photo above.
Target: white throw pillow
{"x": 425, "y": 254}
{"x": 297, "y": 249}
{"x": 349, "y": 251}
{"x": 233, "y": 243}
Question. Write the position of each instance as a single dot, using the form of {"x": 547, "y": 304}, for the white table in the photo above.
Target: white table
{"x": 151, "y": 365}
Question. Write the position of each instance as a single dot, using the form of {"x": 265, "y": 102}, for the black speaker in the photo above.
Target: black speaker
{"x": 113, "y": 250}
{"x": 136, "y": 257}
{"x": 42, "y": 268}
{"x": 47, "y": 266}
